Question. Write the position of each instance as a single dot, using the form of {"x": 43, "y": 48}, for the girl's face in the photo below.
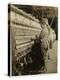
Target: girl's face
{"x": 43, "y": 25}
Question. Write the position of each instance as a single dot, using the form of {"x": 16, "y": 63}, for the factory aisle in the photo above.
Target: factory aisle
{"x": 52, "y": 63}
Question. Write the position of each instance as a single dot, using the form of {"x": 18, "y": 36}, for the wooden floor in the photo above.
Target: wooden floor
{"x": 52, "y": 63}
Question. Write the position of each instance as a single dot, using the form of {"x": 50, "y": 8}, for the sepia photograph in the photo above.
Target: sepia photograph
{"x": 32, "y": 39}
